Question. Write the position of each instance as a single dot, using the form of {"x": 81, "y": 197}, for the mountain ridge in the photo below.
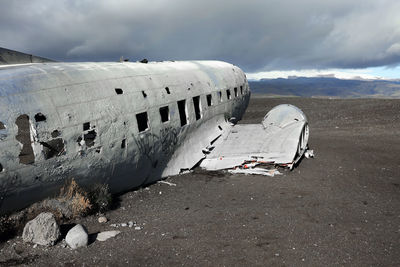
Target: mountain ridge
{"x": 327, "y": 87}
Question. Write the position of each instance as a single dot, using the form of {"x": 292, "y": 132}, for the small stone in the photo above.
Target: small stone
{"x": 102, "y": 219}
{"x": 130, "y": 224}
{"x": 103, "y": 236}
{"x": 77, "y": 237}
{"x": 63, "y": 244}
{"x": 138, "y": 228}
{"x": 43, "y": 230}
{"x": 124, "y": 224}
{"x": 35, "y": 246}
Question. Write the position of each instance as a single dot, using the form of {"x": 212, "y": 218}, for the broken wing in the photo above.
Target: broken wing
{"x": 281, "y": 139}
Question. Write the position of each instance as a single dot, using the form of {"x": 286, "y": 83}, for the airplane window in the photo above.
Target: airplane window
{"x": 144, "y": 94}
{"x": 40, "y": 117}
{"x": 3, "y": 132}
{"x": 142, "y": 121}
{"x": 197, "y": 108}
{"x": 241, "y": 89}
{"x": 209, "y": 100}
{"x": 236, "y": 92}
{"x": 220, "y": 96}
{"x": 228, "y": 94}
{"x": 182, "y": 112}
{"x": 123, "y": 143}
{"x": 119, "y": 91}
{"x": 164, "y": 113}
{"x": 167, "y": 90}
{"x": 86, "y": 126}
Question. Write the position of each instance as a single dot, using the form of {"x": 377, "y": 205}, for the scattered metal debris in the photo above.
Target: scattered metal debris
{"x": 309, "y": 154}
{"x": 165, "y": 182}
{"x": 259, "y": 171}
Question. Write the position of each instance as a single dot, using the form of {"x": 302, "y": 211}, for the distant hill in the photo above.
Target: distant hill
{"x": 327, "y": 87}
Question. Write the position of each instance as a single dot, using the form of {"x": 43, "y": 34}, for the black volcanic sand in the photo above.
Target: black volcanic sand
{"x": 340, "y": 208}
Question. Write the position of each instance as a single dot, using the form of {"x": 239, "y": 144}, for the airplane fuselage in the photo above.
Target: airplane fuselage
{"x": 123, "y": 124}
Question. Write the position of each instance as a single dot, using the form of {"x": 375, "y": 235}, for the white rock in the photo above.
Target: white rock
{"x": 42, "y": 230}
{"x": 102, "y": 219}
{"x": 77, "y": 237}
{"x": 103, "y": 236}
{"x": 138, "y": 228}
{"x": 124, "y": 225}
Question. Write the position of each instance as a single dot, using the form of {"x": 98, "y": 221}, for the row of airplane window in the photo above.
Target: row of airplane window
{"x": 143, "y": 120}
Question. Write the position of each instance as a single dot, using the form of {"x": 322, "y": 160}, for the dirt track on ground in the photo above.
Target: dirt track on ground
{"x": 340, "y": 208}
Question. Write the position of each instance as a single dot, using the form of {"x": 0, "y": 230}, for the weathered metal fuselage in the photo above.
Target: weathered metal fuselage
{"x": 124, "y": 124}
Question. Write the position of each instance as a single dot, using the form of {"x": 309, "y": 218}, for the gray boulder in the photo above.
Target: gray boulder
{"x": 43, "y": 230}
{"x": 77, "y": 237}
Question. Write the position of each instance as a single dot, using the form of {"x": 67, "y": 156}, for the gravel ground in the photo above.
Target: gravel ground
{"x": 340, "y": 208}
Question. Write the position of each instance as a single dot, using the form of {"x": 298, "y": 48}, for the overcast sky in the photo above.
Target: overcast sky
{"x": 259, "y": 35}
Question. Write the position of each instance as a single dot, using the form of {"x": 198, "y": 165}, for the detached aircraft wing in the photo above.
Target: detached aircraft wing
{"x": 280, "y": 140}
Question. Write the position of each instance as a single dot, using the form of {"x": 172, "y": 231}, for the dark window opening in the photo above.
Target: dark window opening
{"x": 86, "y": 126}
{"x": 1, "y": 167}
{"x": 164, "y": 113}
{"x": 209, "y": 100}
{"x": 119, "y": 91}
{"x": 197, "y": 108}
{"x": 89, "y": 138}
{"x": 123, "y": 143}
{"x": 55, "y": 133}
{"x": 142, "y": 121}
{"x": 144, "y": 94}
{"x": 236, "y": 91}
{"x": 40, "y": 117}
{"x": 219, "y": 127}
{"x": 167, "y": 90}
{"x": 220, "y": 96}
{"x": 26, "y": 155}
{"x": 3, "y": 132}
{"x": 52, "y": 148}
{"x": 98, "y": 150}
{"x": 228, "y": 94}
{"x": 182, "y": 111}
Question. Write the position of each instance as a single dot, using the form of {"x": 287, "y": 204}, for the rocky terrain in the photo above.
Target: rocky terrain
{"x": 340, "y": 208}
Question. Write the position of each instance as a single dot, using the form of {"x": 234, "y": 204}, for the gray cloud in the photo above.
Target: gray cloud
{"x": 255, "y": 35}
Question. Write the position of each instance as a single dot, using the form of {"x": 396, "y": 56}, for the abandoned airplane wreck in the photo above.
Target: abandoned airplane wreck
{"x": 129, "y": 124}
